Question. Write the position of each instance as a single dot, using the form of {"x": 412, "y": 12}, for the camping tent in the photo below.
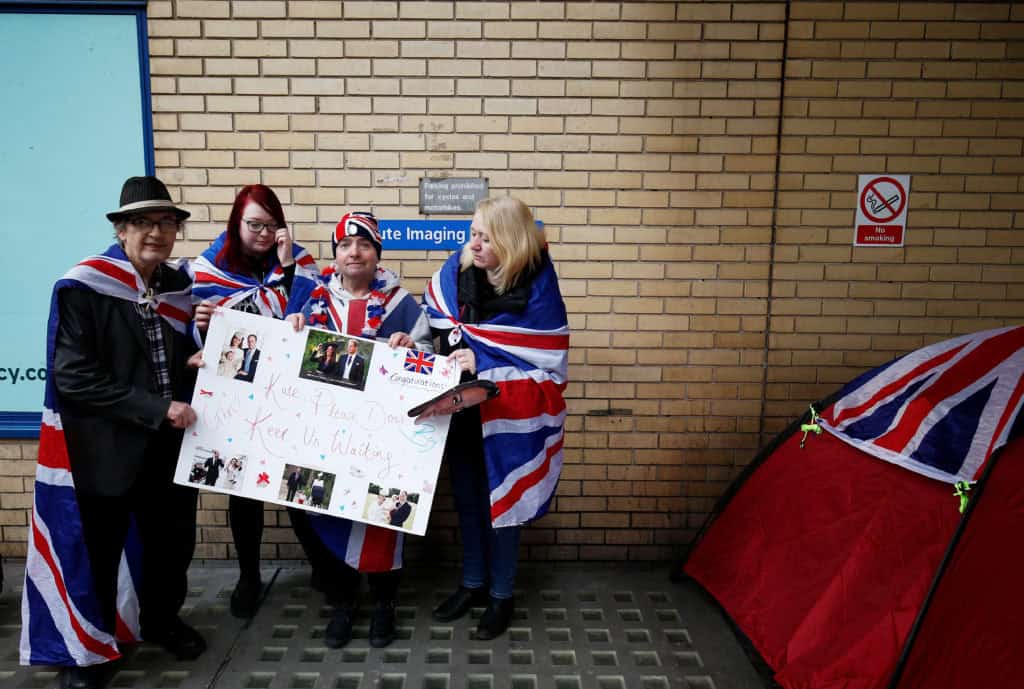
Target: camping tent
{"x": 847, "y": 564}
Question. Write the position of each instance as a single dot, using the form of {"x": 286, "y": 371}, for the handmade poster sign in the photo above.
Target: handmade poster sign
{"x": 316, "y": 420}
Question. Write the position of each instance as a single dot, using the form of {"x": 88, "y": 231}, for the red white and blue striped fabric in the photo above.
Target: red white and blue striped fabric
{"x": 364, "y": 547}
{"x": 216, "y": 283}
{"x": 60, "y": 621}
{"x": 940, "y": 411}
{"x": 527, "y": 356}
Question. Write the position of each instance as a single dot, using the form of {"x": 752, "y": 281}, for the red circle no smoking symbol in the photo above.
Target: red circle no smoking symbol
{"x": 883, "y": 199}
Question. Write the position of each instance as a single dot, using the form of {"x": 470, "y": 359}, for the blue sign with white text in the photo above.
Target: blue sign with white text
{"x": 409, "y": 235}
{"x": 413, "y": 235}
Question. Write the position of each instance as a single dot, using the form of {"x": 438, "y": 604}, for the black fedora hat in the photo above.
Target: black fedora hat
{"x": 144, "y": 194}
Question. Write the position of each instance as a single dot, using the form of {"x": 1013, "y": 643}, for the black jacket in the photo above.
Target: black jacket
{"x": 112, "y": 414}
{"x": 400, "y": 514}
{"x": 247, "y": 374}
{"x": 355, "y": 374}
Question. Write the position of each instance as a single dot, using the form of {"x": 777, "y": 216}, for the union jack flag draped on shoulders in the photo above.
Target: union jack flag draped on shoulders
{"x": 527, "y": 356}
{"x": 940, "y": 411}
{"x": 214, "y": 282}
{"x": 60, "y": 621}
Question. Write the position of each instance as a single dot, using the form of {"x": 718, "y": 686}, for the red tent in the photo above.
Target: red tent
{"x": 844, "y": 571}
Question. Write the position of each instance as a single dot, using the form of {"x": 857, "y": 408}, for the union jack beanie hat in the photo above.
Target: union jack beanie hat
{"x": 359, "y": 224}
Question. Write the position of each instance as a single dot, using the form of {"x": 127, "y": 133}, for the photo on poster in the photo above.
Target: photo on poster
{"x": 335, "y": 359}
{"x": 214, "y": 469}
{"x": 390, "y": 506}
{"x": 240, "y": 356}
{"x": 304, "y": 486}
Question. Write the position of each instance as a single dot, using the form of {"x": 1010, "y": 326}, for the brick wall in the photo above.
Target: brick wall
{"x": 710, "y": 298}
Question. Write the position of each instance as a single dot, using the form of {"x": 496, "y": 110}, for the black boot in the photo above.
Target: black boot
{"x": 495, "y": 619}
{"x": 459, "y": 603}
{"x": 246, "y": 598}
{"x": 382, "y": 624}
{"x": 339, "y": 629}
{"x": 178, "y": 639}
{"x": 85, "y": 677}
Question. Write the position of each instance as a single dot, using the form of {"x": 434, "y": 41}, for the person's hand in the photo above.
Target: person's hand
{"x": 283, "y": 238}
{"x": 181, "y": 415}
{"x": 196, "y": 360}
{"x": 401, "y": 340}
{"x": 204, "y": 312}
{"x": 466, "y": 359}
{"x": 297, "y": 321}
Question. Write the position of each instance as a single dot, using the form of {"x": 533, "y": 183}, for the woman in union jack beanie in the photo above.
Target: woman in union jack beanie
{"x": 358, "y": 297}
{"x": 497, "y": 310}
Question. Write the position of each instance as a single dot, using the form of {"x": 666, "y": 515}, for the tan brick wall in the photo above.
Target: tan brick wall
{"x": 710, "y": 301}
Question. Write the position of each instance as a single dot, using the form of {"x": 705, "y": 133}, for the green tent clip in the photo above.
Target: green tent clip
{"x": 811, "y": 427}
{"x": 962, "y": 490}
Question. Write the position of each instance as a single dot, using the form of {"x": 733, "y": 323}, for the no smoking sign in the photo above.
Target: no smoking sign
{"x": 881, "y": 210}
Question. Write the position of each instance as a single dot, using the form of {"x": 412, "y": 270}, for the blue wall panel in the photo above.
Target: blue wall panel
{"x": 72, "y": 129}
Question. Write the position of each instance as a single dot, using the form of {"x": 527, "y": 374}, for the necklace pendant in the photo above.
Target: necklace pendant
{"x": 455, "y": 337}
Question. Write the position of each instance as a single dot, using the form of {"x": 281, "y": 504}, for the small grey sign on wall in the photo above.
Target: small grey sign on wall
{"x": 456, "y": 195}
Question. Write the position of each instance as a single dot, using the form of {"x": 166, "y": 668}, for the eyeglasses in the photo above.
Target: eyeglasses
{"x": 146, "y": 224}
{"x": 257, "y": 227}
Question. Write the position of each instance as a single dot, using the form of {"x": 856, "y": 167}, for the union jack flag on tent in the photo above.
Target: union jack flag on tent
{"x": 940, "y": 411}
{"x": 526, "y": 356}
{"x": 225, "y": 288}
{"x": 60, "y": 621}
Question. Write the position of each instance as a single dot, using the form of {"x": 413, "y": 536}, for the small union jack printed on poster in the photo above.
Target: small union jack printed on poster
{"x": 315, "y": 420}
{"x": 419, "y": 362}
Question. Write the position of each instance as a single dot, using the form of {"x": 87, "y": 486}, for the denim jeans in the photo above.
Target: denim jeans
{"x": 489, "y": 555}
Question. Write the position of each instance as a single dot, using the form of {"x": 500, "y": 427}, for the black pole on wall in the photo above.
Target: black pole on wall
{"x": 774, "y": 229}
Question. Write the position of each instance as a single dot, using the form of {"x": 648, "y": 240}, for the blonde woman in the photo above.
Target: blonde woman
{"x": 497, "y": 310}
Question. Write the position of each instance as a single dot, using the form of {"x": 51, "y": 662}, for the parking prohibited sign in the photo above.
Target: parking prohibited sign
{"x": 881, "y": 210}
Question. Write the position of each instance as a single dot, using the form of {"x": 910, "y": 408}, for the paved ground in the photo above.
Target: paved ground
{"x": 576, "y": 627}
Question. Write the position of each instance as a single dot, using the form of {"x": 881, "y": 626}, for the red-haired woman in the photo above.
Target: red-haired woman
{"x": 254, "y": 267}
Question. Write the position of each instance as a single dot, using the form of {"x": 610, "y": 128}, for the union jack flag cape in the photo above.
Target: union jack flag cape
{"x": 60, "y": 620}
{"x": 527, "y": 356}
{"x": 940, "y": 411}
{"x": 216, "y": 283}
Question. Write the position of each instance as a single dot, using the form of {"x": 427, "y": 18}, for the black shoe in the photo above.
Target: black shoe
{"x": 180, "y": 640}
{"x": 382, "y": 625}
{"x": 339, "y": 629}
{"x": 495, "y": 619}
{"x": 459, "y": 603}
{"x": 246, "y": 598}
{"x": 87, "y": 677}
